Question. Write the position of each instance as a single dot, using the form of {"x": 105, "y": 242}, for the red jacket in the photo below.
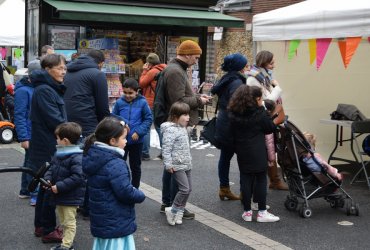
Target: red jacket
{"x": 148, "y": 84}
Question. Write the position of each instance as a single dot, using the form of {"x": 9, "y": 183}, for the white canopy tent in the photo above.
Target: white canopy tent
{"x": 314, "y": 19}
{"x": 310, "y": 95}
{"x": 12, "y": 16}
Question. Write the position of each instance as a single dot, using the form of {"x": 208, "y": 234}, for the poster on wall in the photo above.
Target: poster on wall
{"x": 63, "y": 39}
{"x": 18, "y": 57}
{"x": 102, "y": 43}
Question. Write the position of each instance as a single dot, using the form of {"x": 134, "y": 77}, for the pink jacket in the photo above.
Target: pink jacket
{"x": 270, "y": 145}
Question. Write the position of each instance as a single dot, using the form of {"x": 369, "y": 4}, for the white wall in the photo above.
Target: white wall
{"x": 310, "y": 95}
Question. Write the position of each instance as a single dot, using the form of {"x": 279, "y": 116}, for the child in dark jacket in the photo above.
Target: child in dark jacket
{"x": 250, "y": 122}
{"x": 112, "y": 196}
{"x": 134, "y": 109}
{"x": 67, "y": 180}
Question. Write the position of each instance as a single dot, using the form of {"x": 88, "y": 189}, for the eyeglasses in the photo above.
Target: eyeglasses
{"x": 60, "y": 68}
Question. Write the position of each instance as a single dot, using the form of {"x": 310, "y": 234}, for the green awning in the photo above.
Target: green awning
{"x": 84, "y": 11}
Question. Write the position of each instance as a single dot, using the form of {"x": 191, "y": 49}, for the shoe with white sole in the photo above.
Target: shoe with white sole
{"x": 170, "y": 216}
{"x": 264, "y": 216}
{"x": 254, "y": 206}
{"x": 178, "y": 217}
{"x": 247, "y": 215}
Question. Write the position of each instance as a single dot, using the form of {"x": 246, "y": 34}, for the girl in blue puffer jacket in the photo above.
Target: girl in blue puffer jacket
{"x": 112, "y": 196}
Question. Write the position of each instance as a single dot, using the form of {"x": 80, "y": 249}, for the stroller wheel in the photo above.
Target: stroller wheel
{"x": 6, "y": 134}
{"x": 357, "y": 209}
{"x": 306, "y": 212}
{"x": 291, "y": 204}
{"x": 333, "y": 204}
{"x": 348, "y": 208}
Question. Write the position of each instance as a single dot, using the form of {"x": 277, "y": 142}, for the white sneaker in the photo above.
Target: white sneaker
{"x": 178, "y": 217}
{"x": 170, "y": 216}
{"x": 254, "y": 206}
{"x": 266, "y": 217}
{"x": 247, "y": 215}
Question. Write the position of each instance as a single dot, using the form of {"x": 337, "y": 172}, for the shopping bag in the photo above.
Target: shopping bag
{"x": 209, "y": 130}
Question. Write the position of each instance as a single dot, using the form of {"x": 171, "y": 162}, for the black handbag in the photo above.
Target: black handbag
{"x": 209, "y": 130}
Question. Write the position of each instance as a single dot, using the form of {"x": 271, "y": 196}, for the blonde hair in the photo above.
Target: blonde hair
{"x": 311, "y": 138}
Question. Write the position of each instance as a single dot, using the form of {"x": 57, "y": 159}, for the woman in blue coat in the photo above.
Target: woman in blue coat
{"x": 234, "y": 65}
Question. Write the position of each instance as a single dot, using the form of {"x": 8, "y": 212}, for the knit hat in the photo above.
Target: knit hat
{"x": 32, "y": 65}
{"x": 189, "y": 47}
{"x": 234, "y": 62}
{"x": 153, "y": 58}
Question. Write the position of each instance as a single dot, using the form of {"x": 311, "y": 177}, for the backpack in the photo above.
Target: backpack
{"x": 160, "y": 111}
{"x": 366, "y": 145}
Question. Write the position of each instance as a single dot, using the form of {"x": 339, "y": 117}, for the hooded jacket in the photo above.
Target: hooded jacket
{"x": 112, "y": 196}
{"x": 137, "y": 116}
{"x": 249, "y": 130}
{"x": 224, "y": 89}
{"x": 22, "y": 106}
{"x": 66, "y": 173}
{"x": 148, "y": 83}
{"x": 86, "y": 97}
{"x": 175, "y": 147}
{"x": 47, "y": 112}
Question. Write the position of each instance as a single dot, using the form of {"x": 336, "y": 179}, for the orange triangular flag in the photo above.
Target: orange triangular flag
{"x": 347, "y": 48}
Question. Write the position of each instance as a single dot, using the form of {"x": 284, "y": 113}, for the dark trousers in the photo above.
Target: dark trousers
{"x": 134, "y": 151}
{"x": 254, "y": 184}
{"x": 224, "y": 167}
{"x": 26, "y": 178}
{"x": 169, "y": 188}
{"x": 45, "y": 211}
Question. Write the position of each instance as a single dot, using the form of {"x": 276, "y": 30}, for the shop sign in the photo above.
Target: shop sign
{"x": 102, "y": 43}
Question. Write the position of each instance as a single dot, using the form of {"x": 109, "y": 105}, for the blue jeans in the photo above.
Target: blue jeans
{"x": 26, "y": 178}
{"x": 134, "y": 151}
{"x": 146, "y": 144}
{"x": 169, "y": 188}
{"x": 224, "y": 167}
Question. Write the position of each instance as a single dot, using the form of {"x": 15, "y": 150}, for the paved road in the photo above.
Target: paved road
{"x": 218, "y": 225}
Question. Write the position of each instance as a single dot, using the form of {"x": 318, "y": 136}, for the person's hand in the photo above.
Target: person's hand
{"x": 274, "y": 83}
{"x": 204, "y": 99}
{"x": 135, "y": 136}
{"x": 270, "y": 163}
{"x": 171, "y": 170}
{"x": 54, "y": 189}
{"x": 25, "y": 144}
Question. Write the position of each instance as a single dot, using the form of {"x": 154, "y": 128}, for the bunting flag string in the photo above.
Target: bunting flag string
{"x": 348, "y": 48}
{"x": 322, "y": 45}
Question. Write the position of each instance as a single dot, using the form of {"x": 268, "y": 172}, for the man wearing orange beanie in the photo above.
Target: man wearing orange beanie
{"x": 178, "y": 88}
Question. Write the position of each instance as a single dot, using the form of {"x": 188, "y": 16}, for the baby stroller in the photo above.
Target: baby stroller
{"x": 291, "y": 146}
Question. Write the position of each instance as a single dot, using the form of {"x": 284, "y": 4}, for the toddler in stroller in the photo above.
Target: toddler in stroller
{"x": 297, "y": 158}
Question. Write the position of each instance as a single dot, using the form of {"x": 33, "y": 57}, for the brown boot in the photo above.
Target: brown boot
{"x": 275, "y": 181}
{"x": 226, "y": 194}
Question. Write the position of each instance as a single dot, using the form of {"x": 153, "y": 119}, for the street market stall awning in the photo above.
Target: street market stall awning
{"x": 85, "y": 11}
{"x": 314, "y": 19}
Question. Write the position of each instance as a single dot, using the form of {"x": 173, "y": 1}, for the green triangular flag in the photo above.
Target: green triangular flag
{"x": 293, "y": 46}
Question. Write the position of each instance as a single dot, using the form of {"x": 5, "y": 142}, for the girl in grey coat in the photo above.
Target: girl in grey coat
{"x": 177, "y": 158}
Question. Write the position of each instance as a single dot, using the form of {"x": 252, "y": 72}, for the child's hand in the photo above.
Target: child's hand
{"x": 135, "y": 136}
{"x": 47, "y": 187}
{"x": 54, "y": 189}
{"x": 170, "y": 170}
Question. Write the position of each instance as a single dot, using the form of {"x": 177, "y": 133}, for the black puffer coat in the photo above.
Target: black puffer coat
{"x": 249, "y": 130}
{"x": 224, "y": 89}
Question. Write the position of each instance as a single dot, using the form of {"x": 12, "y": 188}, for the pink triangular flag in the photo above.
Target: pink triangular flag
{"x": 322, "y": 45}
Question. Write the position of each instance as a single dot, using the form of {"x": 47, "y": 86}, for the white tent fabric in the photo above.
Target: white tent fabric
{"x": 12, "y": 16}
{"x": 314, "y": 19}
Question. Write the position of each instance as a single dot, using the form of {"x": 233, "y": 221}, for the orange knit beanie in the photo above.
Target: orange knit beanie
{"x": 189, "y": 47}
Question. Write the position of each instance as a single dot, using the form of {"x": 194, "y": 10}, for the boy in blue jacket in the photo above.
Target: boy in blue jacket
{"x": 67, "y": 180}
{"x": 134, "y": 109}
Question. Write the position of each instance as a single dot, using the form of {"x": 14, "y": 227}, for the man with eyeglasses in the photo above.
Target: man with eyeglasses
{"x": 178, "y": 88}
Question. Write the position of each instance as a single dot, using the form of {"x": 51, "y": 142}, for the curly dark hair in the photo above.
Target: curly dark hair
{"x": 244, "y": 97}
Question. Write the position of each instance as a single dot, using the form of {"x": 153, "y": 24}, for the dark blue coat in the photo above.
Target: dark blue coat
{"x": 66, "y": 173}
{"x": 224, "y": 89}
{"x": 249, "y": 130}
{"x": 137, "y": 114}
{"x": 22, "y": 106}
{"x": 86, "y": 97}
{"x": 112, "y": 197}
{"x": 47, "y": 112}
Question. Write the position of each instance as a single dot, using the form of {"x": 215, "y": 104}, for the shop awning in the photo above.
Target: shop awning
{"x": 84, "y": 11}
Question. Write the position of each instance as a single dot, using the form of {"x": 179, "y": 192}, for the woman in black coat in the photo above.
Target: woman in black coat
{"x": 250, "y": 122}
{"x": 234, "y": 65}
